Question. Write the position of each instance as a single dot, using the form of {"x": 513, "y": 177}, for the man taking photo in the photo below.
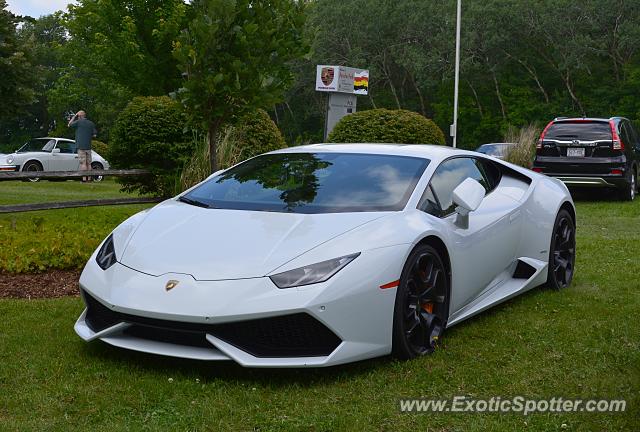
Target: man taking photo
{"x": 85, "y": 130}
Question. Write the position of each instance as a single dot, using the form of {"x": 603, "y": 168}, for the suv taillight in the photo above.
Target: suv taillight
{"x": 617, "y": 142}
{"x": 539, "y": 145}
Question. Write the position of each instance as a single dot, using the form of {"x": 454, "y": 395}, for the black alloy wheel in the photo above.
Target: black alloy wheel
{"x": 562, "y": 253}
{"x": 422, "y": 304}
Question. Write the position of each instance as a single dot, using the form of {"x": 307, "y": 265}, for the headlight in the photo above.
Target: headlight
{"x": 9, "y": 160}
{"x": 107, "y": 254}
{"x": 314, "y": 273}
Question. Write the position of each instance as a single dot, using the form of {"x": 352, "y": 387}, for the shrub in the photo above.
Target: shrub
{"x": 524, "y": 150}
{"x": 387, "y": 126}
{"x": 149, "y": 134}
{"x": 100, "y": 147}
{"x": 252, "y": 135}
{"x": 255, "y": 133}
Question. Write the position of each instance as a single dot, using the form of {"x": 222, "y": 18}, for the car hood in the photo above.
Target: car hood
{"x": 215, "y": 244}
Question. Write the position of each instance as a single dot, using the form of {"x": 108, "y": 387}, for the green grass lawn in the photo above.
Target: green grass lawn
{"x": 56, "y": 239}
{"x": 583, "y": 342}
{"x": 17, "y": 192}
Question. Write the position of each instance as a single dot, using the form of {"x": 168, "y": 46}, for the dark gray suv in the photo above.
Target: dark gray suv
{"x": 592, "y": 152}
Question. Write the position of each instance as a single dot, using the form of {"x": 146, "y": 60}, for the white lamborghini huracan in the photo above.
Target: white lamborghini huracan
{"x": 326, "y": 254}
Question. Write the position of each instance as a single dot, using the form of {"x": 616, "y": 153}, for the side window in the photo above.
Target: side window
{"x": 626, "y": 137}
{"x": 64, "y": 147}
{"x": 633, "y": 135}
{"x": 490, "y": 172}
{"x": 636, "y": 137}
{"x": 429, "y": 203}
{"x": 449, "y": 175}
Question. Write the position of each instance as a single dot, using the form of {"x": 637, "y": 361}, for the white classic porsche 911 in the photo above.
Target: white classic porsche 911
{"x": 326, "y": 254}
{"x": 48, "y": 154}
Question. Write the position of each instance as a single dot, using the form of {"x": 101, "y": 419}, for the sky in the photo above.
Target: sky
{"x": 36, "y": 8}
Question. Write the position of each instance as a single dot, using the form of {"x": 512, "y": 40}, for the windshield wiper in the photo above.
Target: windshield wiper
{"x": 194, "y": 202}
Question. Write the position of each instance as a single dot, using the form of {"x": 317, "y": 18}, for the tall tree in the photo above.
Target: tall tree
{"x": 46, "y": 36}
{"x": 235, "y": 56}
{"x": 116, "y": 49}
{"x": 18, "y": 78}
{"x": 128, "y": 41}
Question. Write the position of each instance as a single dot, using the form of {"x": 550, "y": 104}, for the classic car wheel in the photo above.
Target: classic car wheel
{"x": 421, "y": 307}
{"x": 562, "y": 253}
{"x": 97, "y": 166}
{"x": 32, "y": 166}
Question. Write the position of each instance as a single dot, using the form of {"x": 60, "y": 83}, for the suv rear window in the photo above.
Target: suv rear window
{"x": 584, "y": 131}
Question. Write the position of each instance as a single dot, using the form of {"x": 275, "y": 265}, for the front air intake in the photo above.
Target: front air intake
{"x": 295, "y": 335}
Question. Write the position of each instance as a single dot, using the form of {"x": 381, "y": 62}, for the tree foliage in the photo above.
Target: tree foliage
{"x": 116, "y": 49}
{"x": 18, "y": 77}
{"x": 235, "y": 55}
{"x": 521, "y": 62}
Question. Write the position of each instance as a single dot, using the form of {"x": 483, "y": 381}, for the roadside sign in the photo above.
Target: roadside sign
{"x": 342, "y": 79}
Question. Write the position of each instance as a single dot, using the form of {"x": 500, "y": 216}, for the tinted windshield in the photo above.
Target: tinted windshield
{"x": 38, "y": 145}
{"x": 494, "y": 149}
{"x": 584, "y": 131}
{"x": 314, "y": 183}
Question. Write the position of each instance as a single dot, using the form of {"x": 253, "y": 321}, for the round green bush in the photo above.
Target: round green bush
{"x": 100, "y": 147}
{"x": 386, "y": 126}
{"x": 256, "y": 133}
{"x": 149, "y": 134}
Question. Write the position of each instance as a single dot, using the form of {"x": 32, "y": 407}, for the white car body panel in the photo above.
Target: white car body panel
{"x": 50, "y": 160}
{"x": 221, "y": 260}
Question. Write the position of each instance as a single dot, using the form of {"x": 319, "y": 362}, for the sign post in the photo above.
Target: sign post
{"x": 343, "y": 84}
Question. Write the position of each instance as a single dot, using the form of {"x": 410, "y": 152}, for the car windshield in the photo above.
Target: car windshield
{"x": 38, "y": 145}
{"x": 584, "y": 131}
{"x": 313, "y": 183}
{"x": 494, "y": 149}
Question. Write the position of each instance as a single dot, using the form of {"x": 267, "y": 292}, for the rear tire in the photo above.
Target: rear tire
{"x": 422, "y": 304}
{"x": 562, "y": 252}
{"x": 32, "y": 166}
{"x": 628, "y": 193}
{"x": 97, "y": 166}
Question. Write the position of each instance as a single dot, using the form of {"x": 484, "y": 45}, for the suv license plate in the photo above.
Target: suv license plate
{"x": 575, "y": 152}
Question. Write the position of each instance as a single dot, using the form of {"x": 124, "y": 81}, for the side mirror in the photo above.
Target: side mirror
{"x": 55, "y": 150}
{"x": 467, "y": 196}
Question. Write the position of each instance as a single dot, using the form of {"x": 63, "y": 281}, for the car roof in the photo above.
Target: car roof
{"x": 587, "y": 119}
{"x": 426, "y": 151}
{"x": 58, "y": 139}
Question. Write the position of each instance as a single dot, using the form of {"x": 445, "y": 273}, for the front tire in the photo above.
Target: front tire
{"x": 32, "y": 166}
{"x": 422, "y": 304}
{"x": 562, "y": 252}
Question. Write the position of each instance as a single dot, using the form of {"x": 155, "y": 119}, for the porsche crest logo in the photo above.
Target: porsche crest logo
{"x": 171, "y": 285}
{"x": 326, "y": 75}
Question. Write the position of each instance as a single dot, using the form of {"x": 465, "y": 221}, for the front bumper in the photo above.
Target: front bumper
{"x": 9, "y": 168}
{"x": 250, "y": 321}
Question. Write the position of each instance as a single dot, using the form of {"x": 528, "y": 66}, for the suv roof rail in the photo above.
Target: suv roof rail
{"x": 560, "y": 118}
